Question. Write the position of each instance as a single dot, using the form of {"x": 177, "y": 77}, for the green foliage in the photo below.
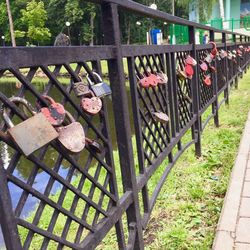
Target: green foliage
{"x": 34, "y": 17}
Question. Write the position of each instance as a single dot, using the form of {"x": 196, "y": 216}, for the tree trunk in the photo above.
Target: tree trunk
{"x": 13, "y": 40}
{"x": 92, "y": 18}
{"x": 222, "y": 13}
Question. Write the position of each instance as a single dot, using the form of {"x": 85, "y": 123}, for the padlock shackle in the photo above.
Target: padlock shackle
{"x": 49, "y": 98}
{"x": 97, "y": 75}
{"x": 15, "y": 100}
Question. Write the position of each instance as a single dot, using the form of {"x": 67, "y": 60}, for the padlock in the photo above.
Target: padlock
{"x": 229, "y": 55}
{"x": 209, "y": 58}
{"x": 91, "y": 104}
{"x": 214, "y": 50}
{"x": 240, "y": 69}
{"x": 241, "y": 47}
{"x": 162, "y": 78}
{"x": 187, "y": 98}
{"x": 81, "y": 88}
{"x": 222, "y": 54}
{"x": 203, "y": 66}
{"x": 94, "y": 145}
{"x": 161, "y": 117}
{"x": 144, "y": 82}
{"x": 153, "y": 81}
{"x": 207, "y": 80}
{"x": 181, "y": 75}
{"x": 72, "y": 136}
{"x": 190, "y": 60}
{"x": 31, "y": 134}
{"x": 189, "y": 71}
{"x": 212, "y": 68}
{"x": 55, "y": 113}
{"x": 101, "y": 88}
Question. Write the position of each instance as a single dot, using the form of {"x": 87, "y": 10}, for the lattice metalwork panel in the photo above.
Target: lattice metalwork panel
{"x": 58, "y": 198}
{"x": 184, "y": 97}
{"x": 221, "y": 72}
{"x": 206, "y": 92}
{"x": 155, "y": 135}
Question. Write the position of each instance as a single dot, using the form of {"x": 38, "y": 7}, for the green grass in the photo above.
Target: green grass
{"x": 189, "y": 205}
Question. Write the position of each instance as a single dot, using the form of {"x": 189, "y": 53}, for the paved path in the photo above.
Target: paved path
{"x": 233, "y": 231}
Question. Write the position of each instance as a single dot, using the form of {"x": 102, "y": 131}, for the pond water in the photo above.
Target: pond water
{"x": 24, "y": 167}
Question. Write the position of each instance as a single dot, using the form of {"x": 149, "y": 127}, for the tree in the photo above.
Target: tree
{"x": 13, "y": 40}
{"x": 34, "y": 17}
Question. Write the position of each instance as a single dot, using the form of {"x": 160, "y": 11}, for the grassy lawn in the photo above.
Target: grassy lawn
{"x": 189, "y": 205}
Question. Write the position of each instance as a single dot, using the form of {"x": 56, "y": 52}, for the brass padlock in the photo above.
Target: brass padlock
{"x": 31, "y": 134}
{"x": 81, "y": 88}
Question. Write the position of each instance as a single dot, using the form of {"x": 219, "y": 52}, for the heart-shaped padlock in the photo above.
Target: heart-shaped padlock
{"x": 214, "y": 50}
{"x": 144, "y": 82}
{"x": 161, "y": 117}
{"x": 72, "y": 136}
{"x": 222, "y": 54}
{"x": 55, "y": 113}
{"x": 207, "y": 80}
{"x": 229, "y": 55}
{"x": 92, "y": 104}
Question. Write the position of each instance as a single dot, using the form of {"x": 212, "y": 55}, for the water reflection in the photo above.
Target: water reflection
{"x": 25, "y": 167}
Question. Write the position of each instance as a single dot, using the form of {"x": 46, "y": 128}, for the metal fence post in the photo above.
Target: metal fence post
{"x": 7, "y": 217}
{"x": 226, "y": 91}
{"x": 111, "y": 30}
{"x": 196, "y": 128}
{"x": 235, "y": 71}
{"x": 215, "y": 106}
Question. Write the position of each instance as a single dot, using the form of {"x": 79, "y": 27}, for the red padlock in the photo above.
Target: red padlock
{"x": 153, "y": 81}
{"x": 144, "y": 82}
{"x": 189, "y": 71}
{"x": 190, "y": 60}
{"x": 214, "y": 50}
{"x": 203, "y": 66}
{"x": 55, "y": 113}
{"x": 207, "y": 80}
{"x": 92, "y": 104}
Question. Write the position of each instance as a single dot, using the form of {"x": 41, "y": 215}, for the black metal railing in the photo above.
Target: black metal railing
{"x": 94, "y": 190}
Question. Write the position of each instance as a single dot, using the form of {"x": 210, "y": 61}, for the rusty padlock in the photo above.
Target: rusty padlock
{"x": 207, "y": 80}
{"x": 72, "y": 136}
{"x": 55, "y": 113}
{"x": 81, "y": 88}
{"x": 162, "y": 78}
{"x": 190, "y": 60}
{"x": 189, "y": 71}
{"x": 94, "y": 145}
{"x": 160, "y": 117}
{"x": 101, "y": 88}
{"x": 31, "y": 134}
{"x": 91, "y": 104}
{"x": 203, "y": 66}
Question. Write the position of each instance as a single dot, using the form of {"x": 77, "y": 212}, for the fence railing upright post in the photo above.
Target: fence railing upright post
{"x": 111, "y": 29}
{"x": 235, "y": 70}
{"x": 215, "y": 105}
{"x": 196, "y": 128}
{"x": 226, "y": 91}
